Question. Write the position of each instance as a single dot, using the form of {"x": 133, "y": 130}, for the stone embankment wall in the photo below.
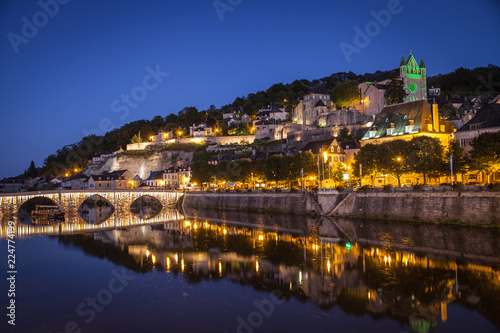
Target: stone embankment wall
{"x": 470, "y": 208}
{"x": 473, "y": 208}
{"x": 295, "y": 203}
{"x": 141, "y": 163}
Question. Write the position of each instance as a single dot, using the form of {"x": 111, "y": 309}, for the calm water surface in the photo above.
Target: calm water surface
{"x": 241, "y": 272}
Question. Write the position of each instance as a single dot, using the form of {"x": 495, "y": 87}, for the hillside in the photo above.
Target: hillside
{"x": 461, "y": 82}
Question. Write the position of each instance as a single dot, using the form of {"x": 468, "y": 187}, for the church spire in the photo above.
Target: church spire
{"x": 403, "y": 61}
{"x": 422, "y": 65}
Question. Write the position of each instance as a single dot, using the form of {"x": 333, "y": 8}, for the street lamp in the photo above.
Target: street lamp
{"x": 323, "y": 164}
{"x": 397, "y": 170}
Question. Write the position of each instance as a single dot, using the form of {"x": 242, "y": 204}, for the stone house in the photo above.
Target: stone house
{"x": 312, "y": 105}
{"x": 486, "y": 120}
{"x": 116, "y": 180}
{"x": 177, "y": 177}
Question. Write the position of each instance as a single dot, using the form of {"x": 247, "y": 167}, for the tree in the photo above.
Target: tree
{"x": 447, "y": 110}
{"x": 232, "y": 129}
{"x": 395, "y": 92}
{"x": 32, "y": 172}
{"x": 345, "y": 93}
{"x": 344, "y": 135}
{"x": 459, "y": 162}
{"x": 426, "y": 156}
{"x": 336, "y": 172}
{"x": 368, "y": 157}
{"x": 136, "y": 139}
{"x": 202, "y": 172}
{"x": 485, "y": 153}
{"x": 273, "y": 168}
{"x": 359, "y": 134}
{"x": 394, "y": 158}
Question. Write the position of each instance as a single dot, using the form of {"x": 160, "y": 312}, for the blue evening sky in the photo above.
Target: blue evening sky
{"x": 65, "y": 75}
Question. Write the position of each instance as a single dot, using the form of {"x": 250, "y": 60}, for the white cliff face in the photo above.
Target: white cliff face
{"x": 141, "y": 164}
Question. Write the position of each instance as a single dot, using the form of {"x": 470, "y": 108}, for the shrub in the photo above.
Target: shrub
{"x": 340, "y": 188}
{"x": 278, "y": 190}
{"x": 365, "y": 188}
{"x": 458, "y": 186}
{"x": 493, "y": 186}
{"x": 228, "y": 190}
{"x": 418, "y": 187}
{"x": 388, "y": 188}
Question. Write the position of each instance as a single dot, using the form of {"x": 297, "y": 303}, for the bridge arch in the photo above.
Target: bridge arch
{"x": 146, "y": 207}
{"x": 30, "y": 204}
{"x": 96, "y": 209}
{"x": 24, "y": 211}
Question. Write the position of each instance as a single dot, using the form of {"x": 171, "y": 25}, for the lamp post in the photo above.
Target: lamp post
{"x": 397, "y": 170}
{"x": 329, "y": 174}
{"x": 360, "y": 175}
{"x": 323, "y": 165}
{"x": 349, "y": 172}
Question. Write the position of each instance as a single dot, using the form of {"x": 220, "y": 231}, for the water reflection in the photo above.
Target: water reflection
{"x": 380, "y": 273}
{"x": 95, "y": 210}
{"x": 24, "y": 214}
{"x": 146, "y": 207}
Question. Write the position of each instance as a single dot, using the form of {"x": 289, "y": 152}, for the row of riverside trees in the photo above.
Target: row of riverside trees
{"x": 427, "y": 156}
{"x": 285, "y": 169}
{"x": 422, "y": 155}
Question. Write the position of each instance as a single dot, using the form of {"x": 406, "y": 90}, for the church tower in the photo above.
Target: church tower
{"x": 414, "y": 77}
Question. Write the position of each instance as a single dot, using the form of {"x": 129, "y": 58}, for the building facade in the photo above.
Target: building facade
{"x": 312, "y": 105}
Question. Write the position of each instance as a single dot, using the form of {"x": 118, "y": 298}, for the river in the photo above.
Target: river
{"x": 243, "y": 272}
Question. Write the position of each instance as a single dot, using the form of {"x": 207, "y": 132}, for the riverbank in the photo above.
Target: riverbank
{"x": 450, "y": 207}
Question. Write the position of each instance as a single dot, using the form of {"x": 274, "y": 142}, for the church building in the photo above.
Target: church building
{"x": 373, "y": 86}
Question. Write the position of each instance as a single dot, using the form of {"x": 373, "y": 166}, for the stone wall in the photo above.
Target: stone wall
{"x": 220, "y": 140}
{"x": 480, "y": 208}
{"x": 296, "y": 203}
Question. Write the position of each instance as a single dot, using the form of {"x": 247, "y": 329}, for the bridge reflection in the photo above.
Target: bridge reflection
{"x": 65, "y": 228}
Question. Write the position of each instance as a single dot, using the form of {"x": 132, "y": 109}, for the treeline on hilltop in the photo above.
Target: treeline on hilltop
{"x": 75, "y": 156}
{"x": 464, "y": 82}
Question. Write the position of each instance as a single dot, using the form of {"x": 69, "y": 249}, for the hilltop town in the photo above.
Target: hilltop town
{"x": 380, "y": 130}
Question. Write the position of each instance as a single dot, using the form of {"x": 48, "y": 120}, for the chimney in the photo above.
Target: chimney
{"x": 435, "y": 118}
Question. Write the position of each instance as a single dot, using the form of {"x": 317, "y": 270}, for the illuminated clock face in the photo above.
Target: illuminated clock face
{"x": 413, "y": 88}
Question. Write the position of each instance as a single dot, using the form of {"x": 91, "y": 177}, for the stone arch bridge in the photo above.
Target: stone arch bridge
{"x": 70, "y": 201}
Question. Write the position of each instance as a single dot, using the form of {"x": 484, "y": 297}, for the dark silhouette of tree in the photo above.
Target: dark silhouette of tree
{"x": 485, "y": 153}
{"x": 344, "y": 135}
{"x": 395, "y": 92}
{"x": 426, "y": 156}
{"x": 394, "y": 158}
{"x": 32, "y": 171}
